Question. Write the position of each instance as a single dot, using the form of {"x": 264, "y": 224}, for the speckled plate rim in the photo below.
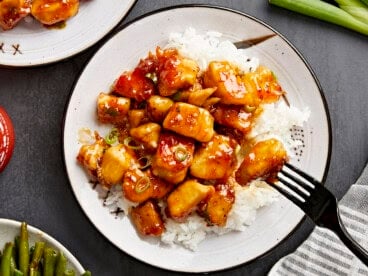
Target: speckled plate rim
{"x": 9, "y": 229}
{"x": 308, "y": 67}
{"x": 13, "y": 56}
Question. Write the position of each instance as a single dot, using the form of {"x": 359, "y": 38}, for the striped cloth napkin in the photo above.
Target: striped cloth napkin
{"x": 323, "y": 253}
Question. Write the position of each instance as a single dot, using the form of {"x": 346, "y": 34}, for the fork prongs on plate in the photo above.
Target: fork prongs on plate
{"x": 295, "y": 184}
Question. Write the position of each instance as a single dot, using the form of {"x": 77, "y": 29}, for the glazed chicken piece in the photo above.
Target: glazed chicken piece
{"x": 147, "y": 219}
{"x": 137, "y": 117}
{"x": 90, "y": 155}
{"x": 115, "y": 162}
{"x": 230, "y": 86}
{"x": 218, "y": 206}
{"x": 158, "y": 107}
{"x": 12, "y": 11}
{"x": 135, "y": 85}
{"x": 139, "y": 186}
{"x": 263, "y": 160}
{"x": 173, "y": 157}
{"x": 232, "y": 116}
{"x": 49, "y": 12}
{"x": 265, "y": 83}
{"x": 215, "y": 159}
{"x": 185, "y": 198}
{"x": 190, "y": 121}
{"x": 147, "y": 134}
{"x": 174, "y": 72}
{"x": 112, "y": 109}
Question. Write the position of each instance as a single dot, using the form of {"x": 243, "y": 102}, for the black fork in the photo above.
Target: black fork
{"x": 318, "y": 203}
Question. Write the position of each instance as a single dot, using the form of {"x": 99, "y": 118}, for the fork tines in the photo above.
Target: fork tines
{"x": 295, "y": 184}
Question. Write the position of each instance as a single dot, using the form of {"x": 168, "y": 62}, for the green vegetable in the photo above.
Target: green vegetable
{"x": 324, "y": 11}
{"x": 23, "y": 253}
{"x": 69, "y": 272}
{"x": 112, "y": 137}
{"x": 87, "y": 273}
{"x": 5, "y": 266}
{"x": 365, "y": 2}
{"x": 36, "y": 258}
{"x": 17, "y": 272}
{"x": 60, "y": 264}
{"x": 49, "y": 261}
{"x": 356, "y": 8}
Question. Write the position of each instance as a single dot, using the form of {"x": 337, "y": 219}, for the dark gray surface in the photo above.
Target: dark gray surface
{"x": 35, "y": 188}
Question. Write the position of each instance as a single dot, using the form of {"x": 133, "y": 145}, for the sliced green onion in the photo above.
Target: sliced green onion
{"x": 130, "y": 143}
{"x": 142, "y": 185}
{"x": 356, "y": 8}
{"x": 152, "y": 76}
{"x": 324, "y": 11}
{"x": 181, "y": 154}
{"x": 144, "y": 162}
{"x": 112, "y": 137}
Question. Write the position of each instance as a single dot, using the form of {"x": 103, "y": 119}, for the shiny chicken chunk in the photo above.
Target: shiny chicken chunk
{"x": 139, "y": 186}
{"x": 219, "y": 205}
{"x": 90, "y": 155}
{"x": 147, "y": 219}
{"x": 147, "y": 134}
{"x": 115, "y": 162}
{"x": 175, "y": 72}
{"x": 215, "y": 159}
{"x": 49, "y": 12}
{"x": 233, "y": 116}
{"x": 230, "y": 87}
{"x": 135, "y": 85}
{"x": 191, "y": 121}
{"x": 185, "y": 198}
{"x": 265, "y": 83}
{"x": 112, "y": 109}
{"x": 173, "y": 157}
{"x": 12, "y": 11}
{"x": 263, "y": 160}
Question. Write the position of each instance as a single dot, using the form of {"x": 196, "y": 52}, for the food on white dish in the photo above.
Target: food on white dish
{"x": 20, "y": 256}
{"x": 194, "y": 135}
{"x": 47, "y": 12}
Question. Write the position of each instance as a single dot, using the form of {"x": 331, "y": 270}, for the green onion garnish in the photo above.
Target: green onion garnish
{"x": 142, "y": 185}
{"x": 112, "y": 137}
{"x": 180, "y": 154}
{"x": 130, "y": 143}
{"x": 144, "y": 162}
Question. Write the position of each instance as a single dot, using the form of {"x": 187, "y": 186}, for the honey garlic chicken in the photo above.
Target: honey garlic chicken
{"x": 181, "y": 122}
{"x": 49, "y": 12}
{"x": 12, "y": 11}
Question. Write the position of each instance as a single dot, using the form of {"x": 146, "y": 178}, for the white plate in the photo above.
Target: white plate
{"x": 9, "y": 229}
{"x": 30, "y": 43}
{"x": 122, "y": 52}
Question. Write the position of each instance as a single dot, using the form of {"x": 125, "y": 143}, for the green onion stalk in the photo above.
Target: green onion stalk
{"x": 330, "y": 13}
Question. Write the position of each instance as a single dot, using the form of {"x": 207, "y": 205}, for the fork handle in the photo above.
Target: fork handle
{"x": 331, "y": 219}
{"x": 350, "y": 243}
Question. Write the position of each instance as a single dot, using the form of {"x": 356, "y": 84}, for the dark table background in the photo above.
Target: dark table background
{"x": 35, "y": 188}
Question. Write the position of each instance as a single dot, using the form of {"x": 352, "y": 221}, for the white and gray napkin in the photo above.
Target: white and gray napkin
{"x": 323, "y": 253}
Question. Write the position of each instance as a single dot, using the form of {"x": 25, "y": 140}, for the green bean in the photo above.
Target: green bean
{"x": 69, "y": 272}
{"x": 87, "y": 273}
{"x": 49, "y": 261}
{"x": 36, "y": 258}
{"x": 5, "y": 268}
{"x": 23, "y": 252}
{"x": 60, "y": 264}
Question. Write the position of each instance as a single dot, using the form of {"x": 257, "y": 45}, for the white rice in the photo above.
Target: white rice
{"x": 275, "y": 121}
